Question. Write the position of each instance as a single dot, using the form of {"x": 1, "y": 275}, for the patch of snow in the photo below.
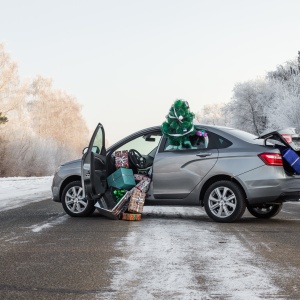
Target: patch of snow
{"x": 48, "y": 224}
{"x": 19, "y": 191}
{"x": 183, "y": 259}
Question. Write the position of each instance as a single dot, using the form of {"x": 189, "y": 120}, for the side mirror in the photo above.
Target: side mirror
{"x": 95, "y": 149}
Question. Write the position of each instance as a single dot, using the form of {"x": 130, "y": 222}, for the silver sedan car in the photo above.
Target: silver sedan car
{"x": 226, "y": 170}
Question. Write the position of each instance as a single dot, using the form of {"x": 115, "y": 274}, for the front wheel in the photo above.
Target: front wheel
{"x": 265, "y": 211}
{"x": 73, "y": 201}
{"x": 224, "y": 201}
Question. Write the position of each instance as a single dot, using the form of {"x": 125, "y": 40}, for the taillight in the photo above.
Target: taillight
{"x": 287, "y": 137}
{"x": 271, "y": 159}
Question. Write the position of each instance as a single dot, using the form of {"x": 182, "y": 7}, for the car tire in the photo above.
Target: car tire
{"x": 224, "y": 201}
{"x": 265, "y": 211}
{"x": 73, "y": 201}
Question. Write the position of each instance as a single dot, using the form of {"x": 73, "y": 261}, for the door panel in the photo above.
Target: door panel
{"x": 176, "y": 173}
{"x": 93, "y": 166}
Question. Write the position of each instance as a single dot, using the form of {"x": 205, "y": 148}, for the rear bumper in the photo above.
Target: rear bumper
{"x": 270, "y": 184}
{"x": 289, "y": 196}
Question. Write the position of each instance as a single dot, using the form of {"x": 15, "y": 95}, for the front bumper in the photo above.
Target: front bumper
{"x": 56, "y": 182}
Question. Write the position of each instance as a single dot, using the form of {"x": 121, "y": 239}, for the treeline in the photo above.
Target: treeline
{"x": 40, "y": 127}
{"x": 260, "y": 105}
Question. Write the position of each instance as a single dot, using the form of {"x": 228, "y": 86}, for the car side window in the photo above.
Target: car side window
{"x": 219, "y": 142}
{"x": 203, "y": 139}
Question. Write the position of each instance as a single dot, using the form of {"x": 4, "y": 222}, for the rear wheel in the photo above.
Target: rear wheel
{"x": 73, "y": 201}
{"x": 265, "y": 211}
{"x": 224, "y": 201}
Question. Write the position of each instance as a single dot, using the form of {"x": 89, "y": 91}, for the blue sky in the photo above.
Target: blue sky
{"x": 127, "y": 61}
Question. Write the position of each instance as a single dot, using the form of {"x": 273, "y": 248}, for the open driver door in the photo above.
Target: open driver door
{"x": 93, "y": 166}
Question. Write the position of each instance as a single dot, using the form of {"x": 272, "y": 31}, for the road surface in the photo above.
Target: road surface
{"x": 173, "y": 253}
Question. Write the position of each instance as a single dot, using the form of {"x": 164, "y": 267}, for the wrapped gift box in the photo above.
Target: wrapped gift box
{"x": 143, "y": 186}
{"x": 292, "y": 158}
{"x": 121, "y": 159}
{"x": 121, "y": 179}
{"x": 131, "y": 217}
{"x": 144, "y": 182}
{"x": 136, "y": 202}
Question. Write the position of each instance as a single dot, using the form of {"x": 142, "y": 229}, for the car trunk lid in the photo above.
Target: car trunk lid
{"x": 288, "y": 142}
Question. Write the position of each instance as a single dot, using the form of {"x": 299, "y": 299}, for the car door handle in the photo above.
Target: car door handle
{"x": 204, "y": 154}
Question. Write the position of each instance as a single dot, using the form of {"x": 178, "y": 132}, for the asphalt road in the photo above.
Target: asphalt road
{"x": 47, "y": 255}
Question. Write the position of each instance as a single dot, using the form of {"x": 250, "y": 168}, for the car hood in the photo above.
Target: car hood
{"x": 76, "y": 161}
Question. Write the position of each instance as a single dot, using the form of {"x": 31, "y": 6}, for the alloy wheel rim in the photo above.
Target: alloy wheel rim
{"x": 75, "y": 201}
{"x": 222, "y": 202}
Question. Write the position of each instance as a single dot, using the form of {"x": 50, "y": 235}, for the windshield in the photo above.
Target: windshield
{"x": 143, "y": 145}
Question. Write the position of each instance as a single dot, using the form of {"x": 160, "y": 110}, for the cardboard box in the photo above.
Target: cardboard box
{"x": 121, "y": 179}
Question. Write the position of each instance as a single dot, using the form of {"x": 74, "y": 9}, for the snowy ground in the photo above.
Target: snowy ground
{"x": 179, "y": 259}
{"x": 19, "y": 191}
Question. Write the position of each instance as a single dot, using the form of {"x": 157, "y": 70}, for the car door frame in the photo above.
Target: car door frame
{"x": 93, "y": 168}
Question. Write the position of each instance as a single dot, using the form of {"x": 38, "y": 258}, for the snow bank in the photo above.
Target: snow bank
{"x": 19, "y": 191}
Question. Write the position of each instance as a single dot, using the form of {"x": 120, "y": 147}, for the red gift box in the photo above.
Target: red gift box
{"x": 121, "y": 159}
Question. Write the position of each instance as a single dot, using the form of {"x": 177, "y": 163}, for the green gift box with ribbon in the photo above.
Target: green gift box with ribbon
{"x": 122, "y": 179}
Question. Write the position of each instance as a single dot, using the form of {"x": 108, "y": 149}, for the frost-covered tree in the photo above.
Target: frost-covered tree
{"x": 11, "y": 90}
{"x": 45, "y": 125}
{"x": 248, "y": 105}
{"x": 269, "y": 103}
{"x": 213, "y": 114}
{"x": 56, "y": 115}
{"x": 285, "y": 108}
{"x": 286, "y": 71}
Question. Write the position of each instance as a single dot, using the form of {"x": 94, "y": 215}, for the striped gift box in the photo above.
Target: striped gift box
{"x": 131, "y": 217}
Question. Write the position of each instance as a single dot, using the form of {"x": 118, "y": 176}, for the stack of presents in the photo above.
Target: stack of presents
{"x": 127, "y": 191}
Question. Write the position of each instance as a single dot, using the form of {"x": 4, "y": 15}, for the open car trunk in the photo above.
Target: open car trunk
{"x": 288, "y": 142}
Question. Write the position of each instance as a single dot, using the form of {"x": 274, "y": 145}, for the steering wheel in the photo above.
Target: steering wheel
{"x": 136, "y": 158}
